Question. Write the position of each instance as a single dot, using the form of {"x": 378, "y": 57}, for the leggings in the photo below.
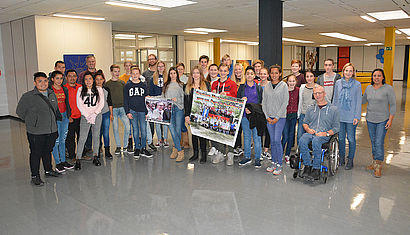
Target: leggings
{"x": 84, "y": 129}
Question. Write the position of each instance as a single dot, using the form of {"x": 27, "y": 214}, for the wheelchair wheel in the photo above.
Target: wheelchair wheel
{"x": 333, "y": 155}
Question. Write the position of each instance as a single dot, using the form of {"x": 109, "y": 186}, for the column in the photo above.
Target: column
{"x": 389, "y": 44}
{"x": 217, "y": 50}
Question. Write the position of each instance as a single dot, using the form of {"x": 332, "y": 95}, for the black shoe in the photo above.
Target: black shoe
{"x": 107, "y": 152}
{"x": 307, "y": 171}
{"x": 137, "y": 154}
{"x": 195, "y": 156}
{"x": 203, "y": 157}
{"x": 52, "y": 173}
{"x": 342, "y": 161}
{"x": 77, "y": 165}
{"x": 36, "y": 180}
{"x": 60, "y": 168}
{"x": 117, "y": 151}
{"x": 152, "y": 146}
{"x": 130, "y": 149}
{"x": 67, "y": 165}
{"x": 349, "y": 164}
{"x": 130, "y": 144}
{"x": 145, "y": 153}
{"x": 315, "y": 174}
{"x": 96, "y": 161}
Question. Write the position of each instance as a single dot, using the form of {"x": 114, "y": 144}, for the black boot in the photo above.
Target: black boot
{"x": 315, "y": 174}
{"x": 307, "y": 171}
{"x": 107, "y": 152}
{"x": 203, "y": 157}
{"x": 77, "y": 165}
{"x": 195, "y": 156}
{"x": 96, "y": 161}
{"x": 349, "y": 164}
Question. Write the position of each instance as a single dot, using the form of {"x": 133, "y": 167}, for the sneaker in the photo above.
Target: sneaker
{"x": 166, "y": 144}
{"x": 77, "y": 165}
{"x": 145, "y": 153}
{"x": 229, "y": 161}
{"x": 60, "y": 168}
{"x": 117, "y": 151}
{"x": 36, "y": 180}
{"x": 268, "y": 156}
{"x": 130, "y": 149}
{"x": 287, "y": 160}
{"x": 152, "y": 146}
{"x": 52, "y": 173}
{"x": 245, "y": 161}
{"x": 212, "y": 151}
{"x": 271, "y": 168}
{"x": 67, "y": 165}
{"x": 307, "y": 171}
{"x": 315, "y": 174}
{"x": 278, "y": 170}
{"x": 219, "y": 157}
{"x": 258, "y": 163}
{"x": 96, "y": 161}
{"x": 237, "y": 151}
{"x": 137, "y": 154}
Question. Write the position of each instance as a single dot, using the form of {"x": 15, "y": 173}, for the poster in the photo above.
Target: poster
{"x": 216, "y": 117}
{"x": 159, "y": 110}
{"x": 76, "y": 62}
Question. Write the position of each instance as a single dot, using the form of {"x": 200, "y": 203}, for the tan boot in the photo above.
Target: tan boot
{"x": 185, "y": 140}
{"x": 181, "y": 156}
{"x": 378, "y": 169}
{"x": 174, "y": 153}
{"x": 371, "y": 166}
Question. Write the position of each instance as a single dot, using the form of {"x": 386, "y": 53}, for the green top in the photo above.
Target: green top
{"x": 117, "y": 92}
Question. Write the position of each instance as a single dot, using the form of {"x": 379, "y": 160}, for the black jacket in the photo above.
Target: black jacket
{"x": 241, "y": 92}
{"x": 256, "y": 118}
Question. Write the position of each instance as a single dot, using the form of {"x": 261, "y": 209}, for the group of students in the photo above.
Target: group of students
{"x": 67, "y": 105}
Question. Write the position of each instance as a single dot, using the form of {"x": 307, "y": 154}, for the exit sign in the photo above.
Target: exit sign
{"x": 388, "y": 48}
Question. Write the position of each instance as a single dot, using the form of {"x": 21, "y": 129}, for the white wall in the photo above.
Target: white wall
{"x": 4, "y": 107}
{"x": 59, "y": 36}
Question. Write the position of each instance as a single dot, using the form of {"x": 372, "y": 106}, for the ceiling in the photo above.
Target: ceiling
{"x": 239, "y": 17}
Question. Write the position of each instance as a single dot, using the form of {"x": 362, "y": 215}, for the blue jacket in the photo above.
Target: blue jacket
{"x": 356, "y": 101}
{"x": 324, "y": 119}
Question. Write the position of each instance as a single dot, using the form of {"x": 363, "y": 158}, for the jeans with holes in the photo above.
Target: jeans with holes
{"x": 377, "y": 132}
{"x": 59, "y": 147}
{"x": 350, "y": 130}
{"x": 119, "y": 114}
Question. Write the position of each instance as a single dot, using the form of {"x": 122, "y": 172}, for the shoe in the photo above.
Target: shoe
{"x": 307, "y": 171}
{"x": 96, "y": 161}
{"x": 130, "y": 149}
{"x": 77, "y": 165}
{"x": 130, "y": 145}
{"x": 117, "y": 151}
{"x": 237, "y": 151}
{"x": 258, "y": 163}
{"x": 174, "y": 153}
{"x": 212, "y": 151}
{"x": 372, "y": 166}
{"x": 137, "y": 154}
{"x": 181, "y": 156}
{"x": 229, "y": 161}
{"x": 271, "y": 168}
{"x": 219, "y": 157}
{"x": 107, "y": 152}
{"x": 166, "y": 144}
{"x": 52, "y": 173}
{"x": 341, "y": 161}
{"x": 349, "y": 164}
{"x": 315, "y": 174}
{"x": 158, "y": 144}
{"x": 60, "y": 168}
{"x": 203, "y": 157}
{"x": 152, "y": 146}
{"x": 144, "y": 152}
{"x": 378, "y": 169}
{"x": 245, "y": 161}
{"x": 267, "y": 155}
{"x": 287, "y": 160}
{"x": 195, "y": 156}
{"x": 67, "y": 165}
{"x": 278, "y": 170}
{"x": 36, "y": 180}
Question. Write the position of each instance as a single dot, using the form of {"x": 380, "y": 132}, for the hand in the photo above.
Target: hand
{"x": 111, "y": 117}
{"x": 247, "y": 111}
{"x": 223, "y": 93}
{"x": 70, "y": 120}
{"x": 174, "y": 99}
{"x": 274, "y": 121}
{"x": 245, "y": 98}
{"x": 355, "y": 121}
{"x": 388, "y": 124}
{"x": 129, "y": 115}
{"x": 311, "y": 131}
{"x": 321, "y": 134}
{"x": 187, "y": 120}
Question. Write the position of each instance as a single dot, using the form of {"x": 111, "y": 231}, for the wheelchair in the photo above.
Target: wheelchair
{"x": 329, "y": 160}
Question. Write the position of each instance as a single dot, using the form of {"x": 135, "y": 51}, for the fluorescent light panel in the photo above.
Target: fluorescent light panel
{"x": 124, "y": 36}
{"x": 163, "y": 3}
{"x": 207, "y": 30}
{"x": 343, "y": 36}
{"x": 144, "y": 36}
{"x": 368, "y": 18}
{"x": 389, "y": 15}
{"x": 133, "y": 5}
{"x": 406, "y": 31}
{"x": 329, "y": 45}
{"x": 374, "y": 44}
{"x": 237, "y": 41}
{"x": 287, "y": 24}
{"x": 295, "y": 40}
{"x": 398, "y": 32}
{"x": 408, "y": 37}
{"x": 78, "y": 16}
{"x": 195, "y": 32}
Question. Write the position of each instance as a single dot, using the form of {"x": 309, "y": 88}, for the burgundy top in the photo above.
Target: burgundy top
{"x": 293, "y": 101}
{"x": 300, "y": 79}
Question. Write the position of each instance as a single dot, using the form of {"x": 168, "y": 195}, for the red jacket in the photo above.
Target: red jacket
{"x": 72, "y": 96}
{"x": 228, "y": 86}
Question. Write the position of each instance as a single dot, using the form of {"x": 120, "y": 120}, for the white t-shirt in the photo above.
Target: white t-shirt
{"x": 328, "y": 83}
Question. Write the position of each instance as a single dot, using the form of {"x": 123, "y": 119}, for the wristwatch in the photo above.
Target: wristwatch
{"x": 327, "y": 134}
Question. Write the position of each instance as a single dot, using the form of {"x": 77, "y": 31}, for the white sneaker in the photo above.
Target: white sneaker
{"x": 237, "y": 151}
{"x": 212, "y": 151}
{"x": 287, "y": 160}
{"x": 229, "y": 162}
{"x": 278, "y": 170}
{"x": 271, "y": 168}
{"x": 268, "y": 156}
{"x": 219, "y": 157}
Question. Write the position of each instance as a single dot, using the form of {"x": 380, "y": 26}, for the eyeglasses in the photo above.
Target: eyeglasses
{"x": 317, "y": 93}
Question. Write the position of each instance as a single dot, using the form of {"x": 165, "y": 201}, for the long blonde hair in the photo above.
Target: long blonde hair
{"x": 190, "y": 83}
{"x": 156, "y": 74}
{"x": 233, "y": 78}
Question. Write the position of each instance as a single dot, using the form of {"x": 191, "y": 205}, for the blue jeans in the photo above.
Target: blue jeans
{"x": 350, "y": 130}
{"x": 139, "y": 126}
{"x": 149, "y": 135}
{"x": 377, "y": 132}
{"x": 317, "y": 142}
{"x": 175, "y": 126}
{"x": 59, "y": 147}
{"x": 301, "y": 130}
{"x": 120, "y": 113}
{"x": 289, "y": 135}
{"x": 159, "y": 128}
{"x": 184, "y": 129}
{"x": 275, "y": 133}
{"x": 248, "y": 134}
{"x": 105, "y": 128}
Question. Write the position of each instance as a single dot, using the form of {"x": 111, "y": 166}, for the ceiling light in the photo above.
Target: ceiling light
{"x": 406, "y": 31}
{"x": 368, "y": 18}
{"x": 374, "y": 44}
{"x": 389, "y": 15}
{"x": 124, "y": 36}
{"x": 287, "y": 24}
{"x": 244, "y": 42}
{"x": 144, "y": 36}
{"x": 398, "y": 32}
{"x": 133, "y": 5}
{"x": 163, "y": 3}
{"x": 196, "y": 32}
{"x": 78, "y": 16}
{"x": 408, "y": 37}
{"x": 295, "y": 40}
{"x": 329, "y": 45}
{"x": 207, "y": 30}
{"x": 343, "y": 36}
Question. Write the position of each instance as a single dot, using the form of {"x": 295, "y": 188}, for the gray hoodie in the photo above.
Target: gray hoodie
{"x": 324, "y": 119}
{"x": 275, "y": 101}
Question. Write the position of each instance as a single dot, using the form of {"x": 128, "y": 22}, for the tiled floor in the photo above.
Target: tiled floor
{"x": 160, "y": 196}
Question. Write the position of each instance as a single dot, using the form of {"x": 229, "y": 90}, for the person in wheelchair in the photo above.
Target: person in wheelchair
{"x": 321, "y": 122}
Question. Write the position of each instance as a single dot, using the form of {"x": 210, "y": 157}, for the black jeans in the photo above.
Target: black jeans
{"x": 202, "y": 143}
{"x": 238, "y": 142}
{"x": 267, "y": 139}
{"x": 40, "y": 148}
{"x": 70, "y": 142}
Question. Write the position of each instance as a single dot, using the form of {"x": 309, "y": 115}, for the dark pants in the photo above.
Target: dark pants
{"x": 238, "y": 142}
{"x": 40, "y": 148}
{"x": 70, "y": 142}
{"x": 267, "y": 139}
{"x": 202, "y": 143}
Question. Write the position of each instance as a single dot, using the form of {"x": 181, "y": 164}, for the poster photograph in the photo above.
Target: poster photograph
{"x": 159, "y": 110}
{"x": 216, "y": 117}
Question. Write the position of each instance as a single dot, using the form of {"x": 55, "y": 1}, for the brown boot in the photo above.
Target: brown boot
{"x": 378, "y": 169}
{"x": 174, "y": 153}
{"x": 185, "y": 139}
{"x": 371, "y": 166}
{"x": 181, "y": 156}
